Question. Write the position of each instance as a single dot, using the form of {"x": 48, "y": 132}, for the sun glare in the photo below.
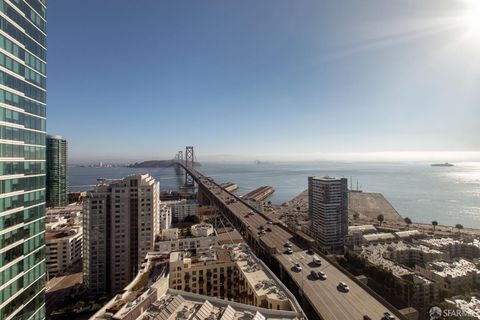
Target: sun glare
{"x": 471, "y": 18}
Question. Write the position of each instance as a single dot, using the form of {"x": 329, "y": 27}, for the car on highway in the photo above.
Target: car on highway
{"x": 268, "y": 229}
{"x": 316, "y": 260}
{"x": 322, "y": 275}
{"x": 388, "y": 316}
{"x": 343, "y": 287}
{"x": 297, "y": 267}
{"x": 314, "y": 275}
{"x": 288, "y": 244}
{"x": 269, "y": 222}
{"x": 289, "y": 251}
{"x": 261, "y": 227}
{"x": 261, "y": 232}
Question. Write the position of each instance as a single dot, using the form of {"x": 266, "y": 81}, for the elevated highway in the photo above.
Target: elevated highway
{"x": 320, "y": 299}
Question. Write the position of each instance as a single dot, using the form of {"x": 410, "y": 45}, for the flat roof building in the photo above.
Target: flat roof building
{"x": 227, "y": 272}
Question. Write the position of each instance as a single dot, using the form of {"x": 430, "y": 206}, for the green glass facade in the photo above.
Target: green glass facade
{"x": 57, "y": 172}
{"x": 22, "y": 158}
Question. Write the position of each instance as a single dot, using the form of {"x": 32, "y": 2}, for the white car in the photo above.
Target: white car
{"x": 322, "y": 275}
{"x": 344, "y": 287}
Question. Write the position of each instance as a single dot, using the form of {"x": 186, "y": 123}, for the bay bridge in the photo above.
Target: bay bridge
{"x": 319, "y": 299}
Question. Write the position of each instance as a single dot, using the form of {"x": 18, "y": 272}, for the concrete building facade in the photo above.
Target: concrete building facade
{"x": 183, "y": 208}
{"x": 121, "y": 221}
{"x": 228, "y": 273}
{"x": 63, "y": 248}
{"x": 328, "y": 211}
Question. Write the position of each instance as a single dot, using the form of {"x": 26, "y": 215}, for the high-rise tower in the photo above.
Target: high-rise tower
{"x": 22, "y": 158}
{"x": 57, "y": 171}
{"x": 120, "y": 222}
{"x": 328, "y": 210}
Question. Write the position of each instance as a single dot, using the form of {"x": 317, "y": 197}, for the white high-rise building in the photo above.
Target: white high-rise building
{"x": 121, "y": 220}
{"x": 165, "y": 217}
{"x": 183, "y": 208}
{"x": 328, "y": 210}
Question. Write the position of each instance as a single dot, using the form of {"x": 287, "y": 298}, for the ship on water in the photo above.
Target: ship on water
{"x": 446, "y": 164}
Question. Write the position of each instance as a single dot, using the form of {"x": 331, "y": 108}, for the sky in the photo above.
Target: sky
{"x": 268, "y": 80}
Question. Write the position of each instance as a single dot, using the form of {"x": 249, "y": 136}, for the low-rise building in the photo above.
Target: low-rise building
{"x": 63, "y": 247}
{"x": 464, "y": 307}
{"x": 456, "y": 276}
{"x": 149, "y": 297}
{"x": 228, "y": 272}
{"x": 411, "y": 255}
{"x": 200, "y": 237}
{"x": 456, "y": 248}
{"x": 416, "y": 289}
{"x": 378, "y": 237}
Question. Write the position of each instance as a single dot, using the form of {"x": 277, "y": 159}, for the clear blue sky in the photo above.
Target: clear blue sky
{"x": 138, "y": 80}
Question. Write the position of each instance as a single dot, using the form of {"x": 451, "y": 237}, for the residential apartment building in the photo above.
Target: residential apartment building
{"x": 230, "y": 273}
{"x": 456, "y": 276}
{"x": 183, "y": 208}
{"x": 165, "y": 219}
{"x": 120, "y": 223}
{"x": 23, "y": 51}
{"x": 411, "y": 288}
{"x": 201, "y": 237}
{"x": 328, "y": 211}
{"x": 63, "y": 248}
{"x": 57, "y": 171}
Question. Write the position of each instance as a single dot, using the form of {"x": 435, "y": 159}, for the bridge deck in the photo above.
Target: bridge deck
{"x": 327, "y": 300}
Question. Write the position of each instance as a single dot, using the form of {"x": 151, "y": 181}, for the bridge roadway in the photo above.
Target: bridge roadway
{"x": 323, "y": 295}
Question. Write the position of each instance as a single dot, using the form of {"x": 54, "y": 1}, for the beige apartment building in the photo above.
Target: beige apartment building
{"x": 121, "y": 220}
{"x": 63, "y": 248}
{"x": 230, "y": 273}
{"x": 456, "y": 276}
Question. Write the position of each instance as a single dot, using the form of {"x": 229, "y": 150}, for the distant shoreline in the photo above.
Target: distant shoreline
{"x": 155, "y": 164}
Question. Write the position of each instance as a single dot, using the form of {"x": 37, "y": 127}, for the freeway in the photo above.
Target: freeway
{"x": 327, "y": 298}
{"x": 328, "y": 302}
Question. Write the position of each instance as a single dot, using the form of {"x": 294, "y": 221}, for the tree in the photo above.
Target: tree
{"x": 434, "y": 224}
{"x": 459, "y": 227}
{"x": 380, "y": 218}
{"x": 408, "y": 221}
{"x": 356, "y": 216}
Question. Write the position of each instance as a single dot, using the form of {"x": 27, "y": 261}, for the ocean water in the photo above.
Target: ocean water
{"x": 449, "y": 195}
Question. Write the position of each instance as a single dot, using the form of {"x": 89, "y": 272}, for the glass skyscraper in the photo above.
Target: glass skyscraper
{"x": 22, "y": 158}
{"x": 57, "y": 172}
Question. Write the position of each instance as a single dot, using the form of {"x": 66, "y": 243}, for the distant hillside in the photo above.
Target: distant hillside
{"x": 155, "y": 164}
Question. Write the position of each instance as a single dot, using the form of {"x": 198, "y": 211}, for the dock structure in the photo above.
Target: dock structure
{"x": 259, "y": 194}
{"x": 230, "y": 186}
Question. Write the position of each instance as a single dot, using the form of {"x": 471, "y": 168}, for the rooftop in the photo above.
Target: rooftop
{"x": 363, "y": 228}
{"x": 181, "y": 305}
{"x": 453, "y": 269}
{"x": 471, "y": 305}
{"x": 65, "y": 233}
{"x": 379, "y": 255}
